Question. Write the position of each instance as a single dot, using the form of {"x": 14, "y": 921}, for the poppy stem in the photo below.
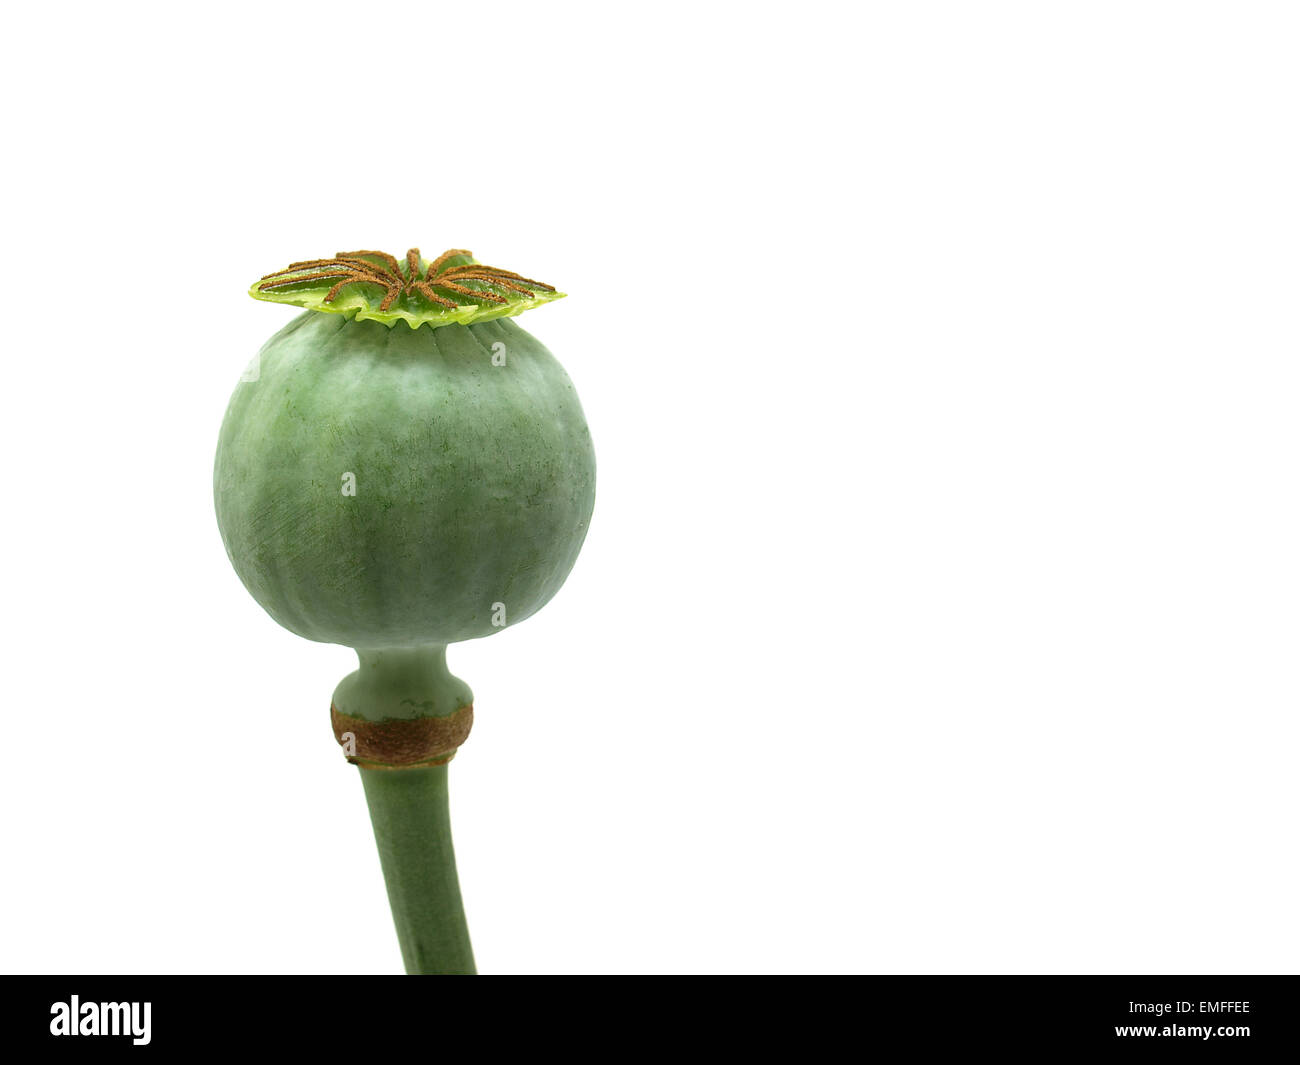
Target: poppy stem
{"x": 409, "y": 811}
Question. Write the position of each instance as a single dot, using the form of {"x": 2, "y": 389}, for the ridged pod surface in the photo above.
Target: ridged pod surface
{"x": 384, "y": 487}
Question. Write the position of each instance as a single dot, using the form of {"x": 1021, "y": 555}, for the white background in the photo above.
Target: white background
{"x": 939, "y": 611}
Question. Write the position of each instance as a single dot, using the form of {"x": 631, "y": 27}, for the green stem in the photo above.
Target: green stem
{"x": 408, "y": 808}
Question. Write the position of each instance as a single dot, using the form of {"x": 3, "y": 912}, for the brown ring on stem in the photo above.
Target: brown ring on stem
{"x": 414, "y": 743}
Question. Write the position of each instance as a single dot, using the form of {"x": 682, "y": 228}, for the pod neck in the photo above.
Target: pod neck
{"x": 402, "y": 683}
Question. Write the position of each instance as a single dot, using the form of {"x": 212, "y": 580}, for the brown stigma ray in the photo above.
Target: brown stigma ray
{"x": 473, "y": 281}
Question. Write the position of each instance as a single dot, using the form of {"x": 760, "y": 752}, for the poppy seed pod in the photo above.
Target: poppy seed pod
{"x": 401, "y": 468}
